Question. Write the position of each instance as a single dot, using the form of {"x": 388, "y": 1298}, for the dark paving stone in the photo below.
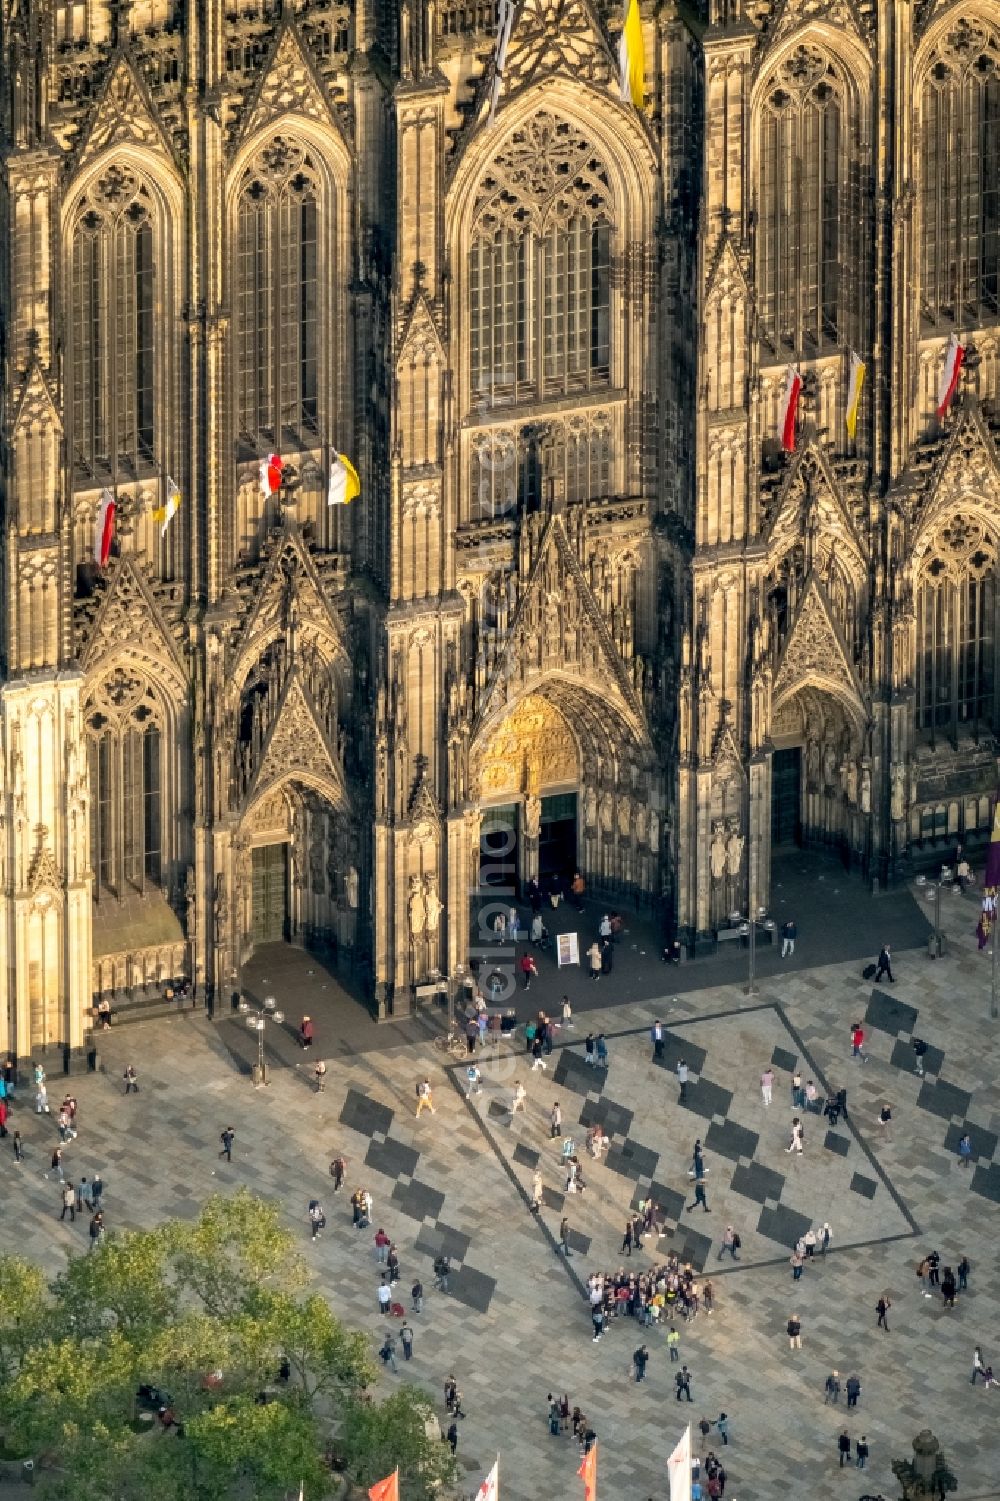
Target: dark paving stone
{"x": 365, "y": 1115}
{"x": 731, "y": 1140}
{"x": 392, "y": 1158}
{"x": 579, "y": 1243}
{"x": 986, "y": 1182}
{"x": 784, "y": 1225}
{"x": 442, "y": 1240}
{"x": 645, "y": 1159}
{"x": 783, "y": 1059}
{"x": 886, "y": 1014}
{"x": 525, "y": 1156}
{"x": 671, "y": 1203}
{"x": 472, "y": 1288}
{"x": 758, "y": 1182}
{"x": 945, "y": 1100}
{"x": 552, "y": 1199}
{"x": 418, "y": 1200}
{"x": 864, "y": 1186}
{"x": 984, "y": 1143}
{"x": 626, "y": 1167}
{"x": 691, "y": 1246}
{"x": 839, "y": 1144}
{"x": 707, "y": 1099}
{"x": 572, "y": 1073}
{"x": 496, "y": 1111}
{"x": 675, "y": 1048}
{"x": 616, "y": 1119}
{"x": 903, "y": 1057}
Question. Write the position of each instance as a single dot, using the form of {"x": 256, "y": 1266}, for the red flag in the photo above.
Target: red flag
{"x": 105, "y": 529}
{"x": 588, "y": 1474}
{"x": 387, "y": 1489}
{"x": 790, "y": 409}
{"x": 954, "y": 357}
{"x": 270, "y": 474}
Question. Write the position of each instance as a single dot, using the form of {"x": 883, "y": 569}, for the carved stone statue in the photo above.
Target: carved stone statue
{"x": 190, "y": 900}
{"x": 897, "y": 783}
{"x": 734, "y": 850}
{"x": 532, "y": 816}
{"x": 607, "y": 813}
{"x": 812, "y": 764}
{"x": 866, "y": 789}
{"x": 717, "y": 851}
{"x": 416, "y": 910}
{"x": 220, "y": 911}
{"x": 433, "y": 905}
{"x": 351, "y": 887}
{"x": 852, "y": 783}
{"x": 829, "y": 766}
{"x": 654, "y": 830}
{"x": 590, "y": 808}
{"x": 639, "y": 821}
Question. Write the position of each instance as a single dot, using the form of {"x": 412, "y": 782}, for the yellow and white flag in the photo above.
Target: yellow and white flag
{"x": 855, "y": 383}
{"x": 631, "y": 56}
{"x": 165, "y": 514}
{"x": 505, "y": 24}
{"x": 344, "y": 482}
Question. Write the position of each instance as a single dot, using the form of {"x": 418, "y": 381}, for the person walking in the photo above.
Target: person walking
{"x": 794, "y": 1328}
{"x": 338, "y": 1167}
{"x": 425, "y": 1098}
{"x": 597, "y": 1319}
{"x": 96, "y": 1190}
{"x": 861, "y": 1448}
{"x": 384, "y": 1295}
{"x": 18, "y": 1148}
{"x": 963, "y": 1269}
{"x": 529, "y": 970}
{"x": 590, "y": 1049}
{"x": 978, "y": 1366}
{"x": 68, "y": 1202}
{"x": 796, "y": 1261}
{"x": 602, "y": 1051}
{"x": 626, "y": 1249}
{"x": 656, "y": 1037}
{"x": 594, "y": 960}
{"x": 451, "y": 1437}
{"x": 844, "y": 1448}
{"x": 473, "y": 1081}
{"x": 674, "y": 1344}
{"x": 789, "y": 933}
{"x": 730, "y": 1243}
{"x": 882, "y": 1309}
{"x": 319, "y": 1074}
{"x": 96, "y": 1229}
{"x": 699, "y": 1193}
{"x": 317, "y": 1219}
{"x": 555, "y": 1121}
{"x": 767, "y": 1084}
{"x": 537, "y": 1061}
{"x": 682, "y": 1079}
{"x": 853, "y": 1390}
{"x": 722, "y": 1425}
{"x": 797, "y": 1138}
{"x": 536, "y": 1191}
{"x": 518, "y": 1099}
{"x": 406, "y": 1340}
{"x": 884, "y": 964}
{"x": 640, "y": 1359}
{"x": 824, "y": 1238}
{"x": 831, "y": 1388}
{"x": 682, "y": 1381}
{"x": 131, "y": 1081}
{"x": 567, "y": 1012}
{"x": 388, "y": 1353}
{"x": 227, "y": 1137}
{"x": 417, "y": 1296}
{"x": 564, "y": 1237}
{"x": 965, "y": 1150}
{"x": 798, "y": 1098}
{"x": 56, "y": 1164}
{"x": 306, "y": 1032}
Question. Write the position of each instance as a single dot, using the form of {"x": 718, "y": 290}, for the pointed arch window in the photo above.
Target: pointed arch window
{"x": 802, "y": 206}
{"x": 278, "y": 333}
{"x": 111, "y": 326}
{"x": 540, "y": 268}
{"x": 125, "y": 748}
{"x": 957, "y": 632}
{"x": 960, "y": 177}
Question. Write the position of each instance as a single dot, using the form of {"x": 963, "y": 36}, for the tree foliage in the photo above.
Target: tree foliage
{"x": 204, "y": 1313}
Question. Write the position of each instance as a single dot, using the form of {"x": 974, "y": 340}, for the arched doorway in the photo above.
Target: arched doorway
{"x": 820, "y": 775}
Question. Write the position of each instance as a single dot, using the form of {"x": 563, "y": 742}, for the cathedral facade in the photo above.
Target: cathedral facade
{"x": 587, "y": 612}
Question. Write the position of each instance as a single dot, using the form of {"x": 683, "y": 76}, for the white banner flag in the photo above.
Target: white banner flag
{"x": 679, "y": 1468}
{"x": 490, "y": 1488}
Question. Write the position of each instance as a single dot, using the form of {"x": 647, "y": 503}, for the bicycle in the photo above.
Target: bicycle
{"x": 451, "y": 1043}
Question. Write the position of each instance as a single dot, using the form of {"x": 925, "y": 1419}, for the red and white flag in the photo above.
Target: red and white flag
{"x": 588, "y": 1473}
{"x": 490, "y": 1488}
{"x": 385, "y": 1490}
{"x": 105, "y": 530}
{"x": 954, "y": 357}
{"x": 790, "y": 409}
{"x": 679, "y": 1468}
{"x": 270, "y": 474}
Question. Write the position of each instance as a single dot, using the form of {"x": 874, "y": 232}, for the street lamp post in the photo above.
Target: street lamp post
{"x": 257, "y": 1022}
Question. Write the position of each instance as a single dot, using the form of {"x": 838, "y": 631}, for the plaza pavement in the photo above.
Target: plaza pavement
{"x": 515, "y": 1325}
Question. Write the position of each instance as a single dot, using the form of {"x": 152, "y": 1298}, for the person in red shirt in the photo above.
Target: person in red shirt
{"x": 529, "y": 969}
{"x": 857, "y": 1038}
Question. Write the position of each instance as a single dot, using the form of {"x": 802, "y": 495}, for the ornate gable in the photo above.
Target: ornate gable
{"x": 555, "y": 36}
{"x": 44, "y": 874}
{"x": 811, "y": 497}
{"x": 125, "y": 114}
{"x": 816, "y": 655}
{"x": 791, "y": 16}
{"x": 967, "y": 469}
{"x": 559, "y": 627}
{"x": 289, "y": 85}
{"x": 297, "y": 744}
{"x": 128, "y": 616}
{"x": 291, "y": 578}
{"x": 421, "y": 339}
{"x": 726, "y": 276}
{"x": 36, "y": 403}
{"x": 422, "y": 808}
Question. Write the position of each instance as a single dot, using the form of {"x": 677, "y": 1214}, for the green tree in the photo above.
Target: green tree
{"x": 376, "y": 1437}
{"x": 66, "y": 1384}
{"x": 234, "y": 1248}
{"x": 126, "y": 1283}
{"x": 24, "y": 1311}
{"x": 326, "y": 1358}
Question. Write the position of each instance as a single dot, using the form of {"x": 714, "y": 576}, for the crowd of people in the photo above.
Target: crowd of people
{"x": 657, "y": 1296}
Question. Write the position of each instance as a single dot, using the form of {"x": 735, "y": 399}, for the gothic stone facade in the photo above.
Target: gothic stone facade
{"x": 584, "y": 602}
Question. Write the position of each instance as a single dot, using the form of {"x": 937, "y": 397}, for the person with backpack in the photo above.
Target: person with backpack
{"x": 425, "y": 1098}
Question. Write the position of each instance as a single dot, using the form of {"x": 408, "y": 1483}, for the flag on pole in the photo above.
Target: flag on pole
{"x": 302, "y": 1493}
{"x": 954, "y": 357}
{"x": 344, "y": 482}
{"x": 105, "y": 529}
{"x": 387, "y": 1489}
{"x": 588, "y": 1474}
{"x": 855, "y": 382}
{"x": 505, "y": 23}
{"x": 991, "y": 882}
{"x": 679, "y": 1468}
{"x": 165, "y": 514}
{"x": 270, "y": 474}
{"x": 790, "y": 409}
{"x": 631, "y": 56}
{"x": 490, "y": 1488}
